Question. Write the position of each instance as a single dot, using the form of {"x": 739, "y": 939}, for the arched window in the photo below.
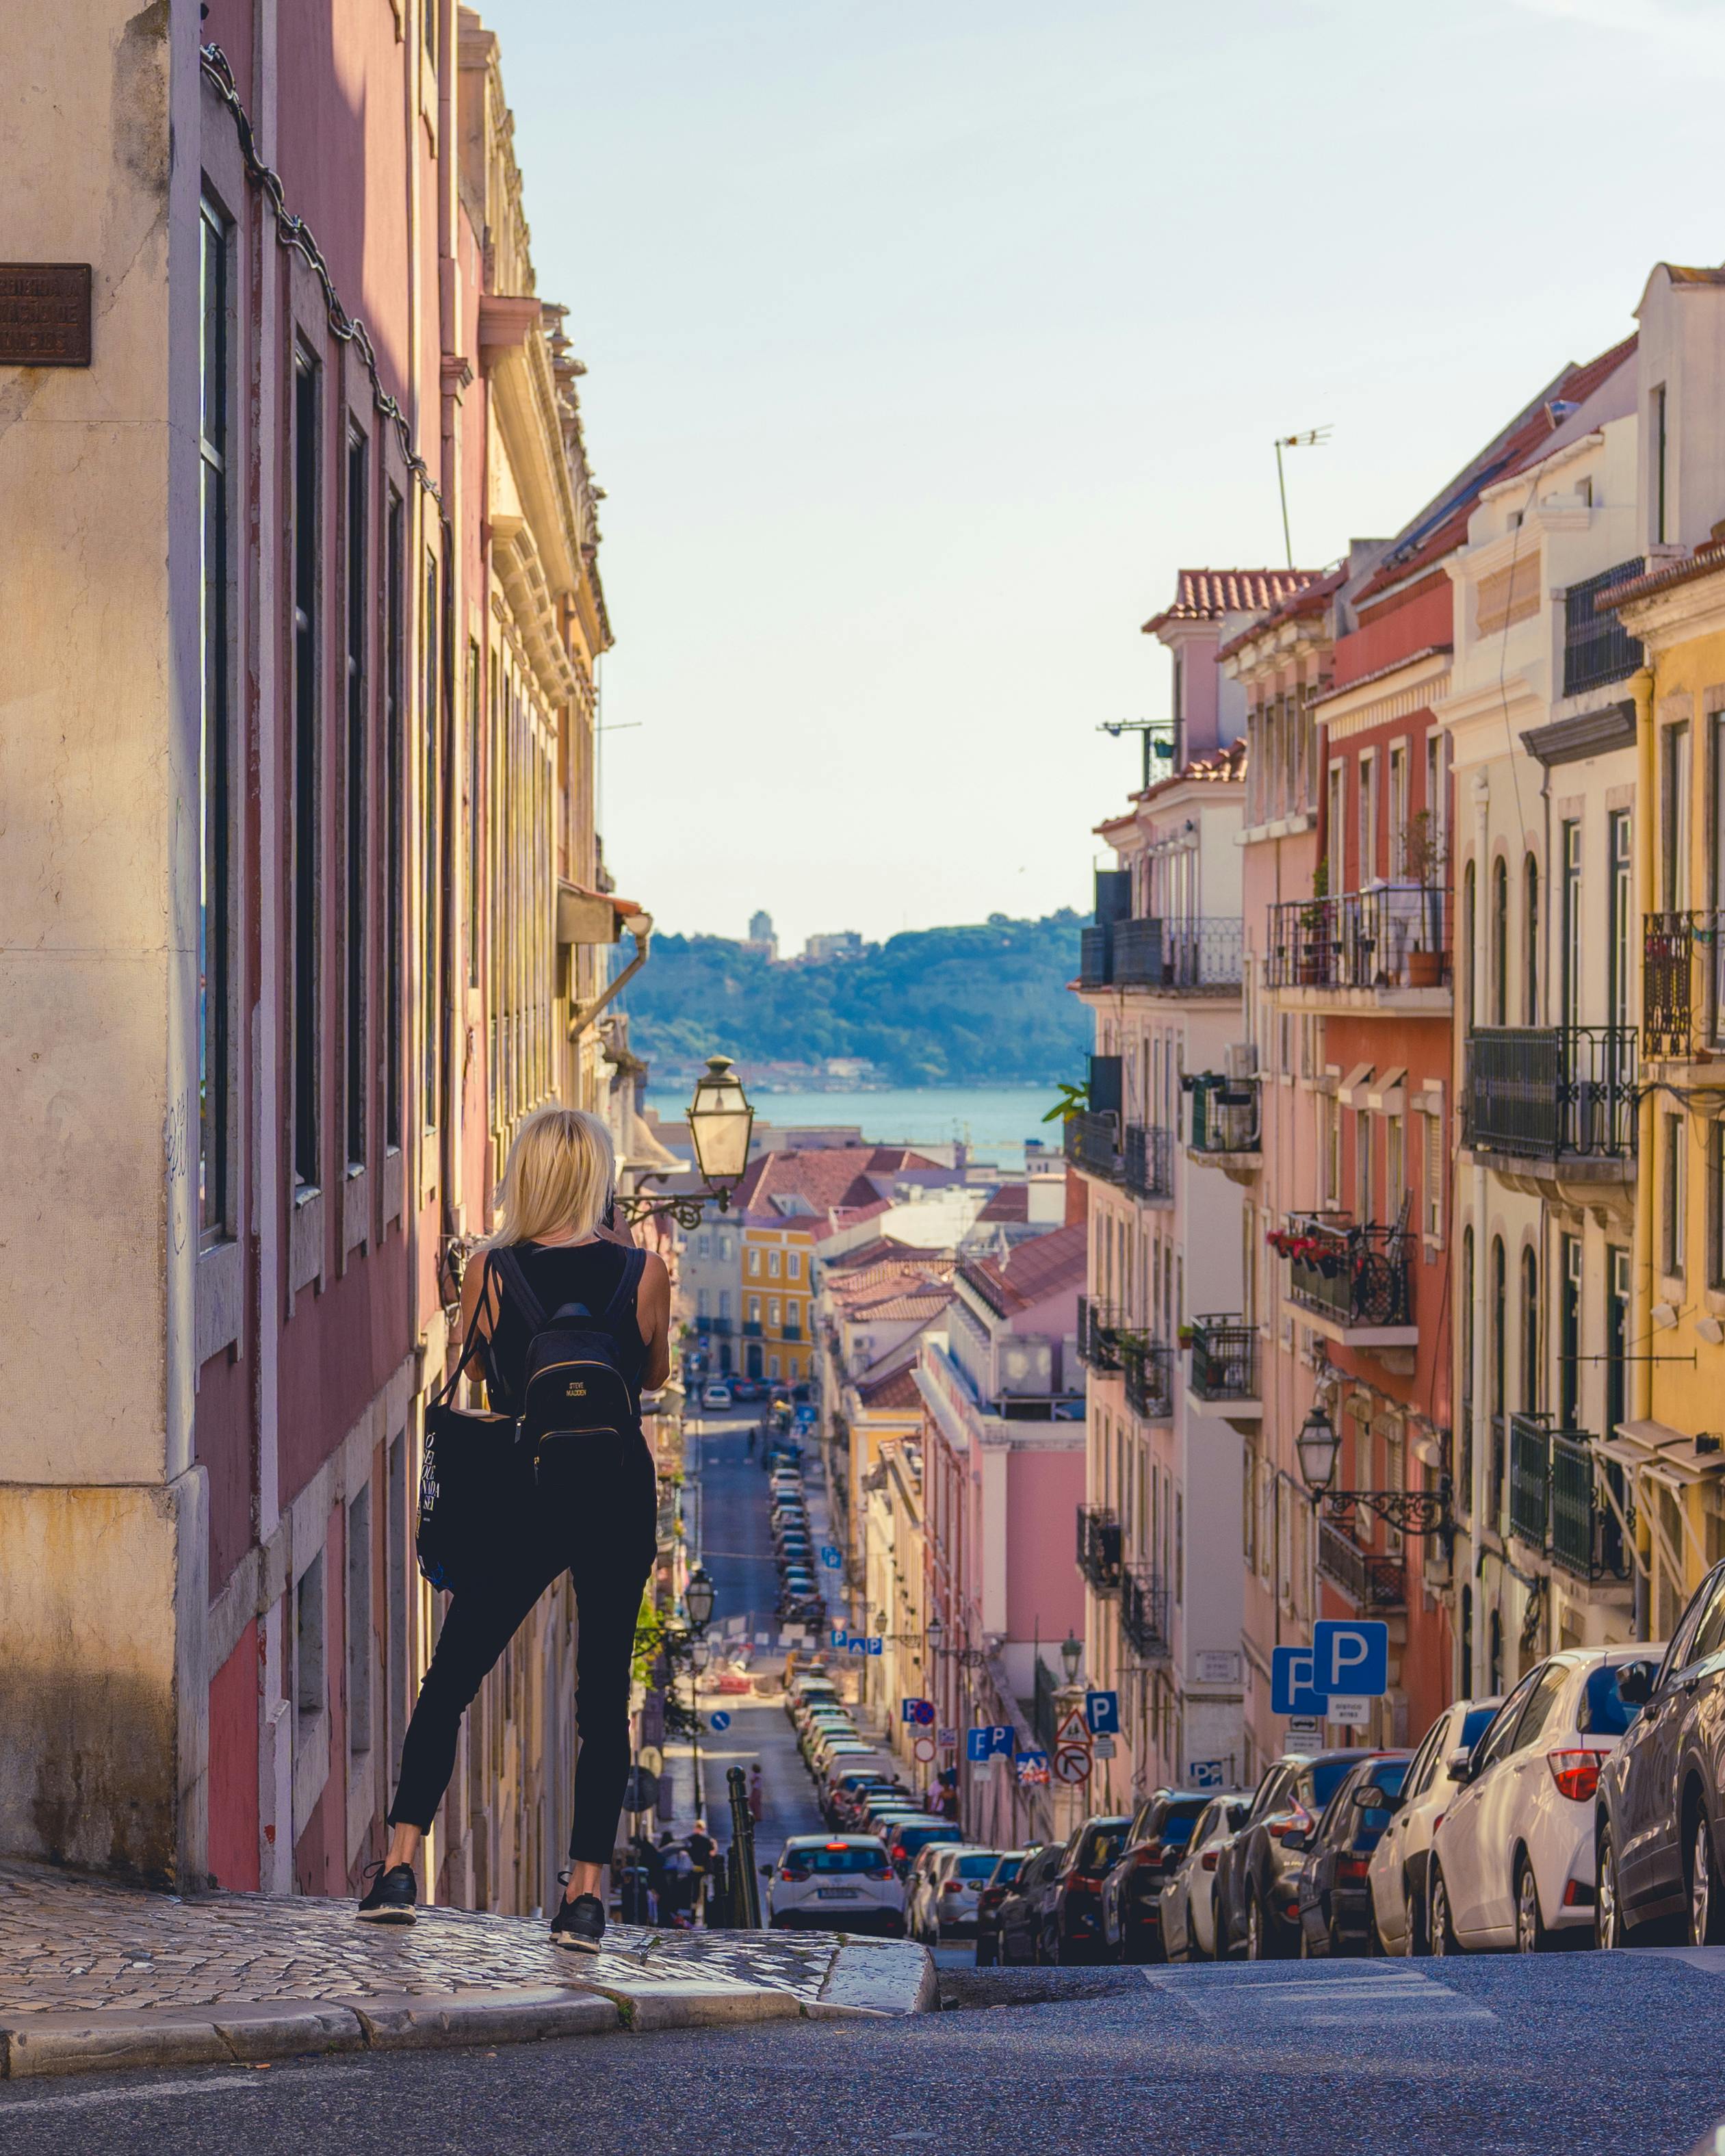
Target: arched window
{"x": 1463, "y": 1680}
{"x": 1530, "y": 942}
{"x": 1530, "y": 1331}
{"x": 1470, "y": 905}
{"x": 1494, "y": 1671}
{"x": 1464, "y": 1476}
{"x": 1497, "y": 1348}
{"x": 1500, "y": 942}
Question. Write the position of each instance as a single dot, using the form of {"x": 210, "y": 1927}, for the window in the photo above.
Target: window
{"x": 1674, "y": 818}
{"x": 1498, "y": 1348}
{"x": 1542, "y": 1704}
{"x": 1622, "y": 925}
{"x": 1530, "y": 1331}
{"x": 304, "y": 922}
{"x": 1617, "y": 1299}
{"x": 476, "y": 821}
{"x": 794, "y": 1264}
{"x": 1464, "y": 1465}
{"x": 754, "y": 1264}
{"x": 309, "y": 1692}
{"x": 1437, "y": 1170}
{"x": 431, "y": 842}
{"x": 1470, "y": 915}
{"x": 1657, "y": 446}
{"x": 215, "y": 907}
{"x": 1437, "y": 797}
{"x": 1716, "y": 1205}
{"x": 1395, "y": 1166}
{"x": 359, "y": 800}
{"x": 773, "y": 1265}
{"x": 1366, "y": 803}
{"x": 1569, "y": 1332}
{"x": 772, "y": 1366}
{"x": 1336, "y": 834}
{"x": 1675, "y": 1179}
{"x": 772, "y": 1312}
{"x": 1398, "y": 811}
{"x": 1500, "y": 942}
{"x": 1570, "y": 925}
{"x": 1363, "y": 1167}
{"x": 1530, "y": 942}
{"x": 754, "y": 1316}
{"x": 359, "y": 1620}
{"x": 394, "y": 810}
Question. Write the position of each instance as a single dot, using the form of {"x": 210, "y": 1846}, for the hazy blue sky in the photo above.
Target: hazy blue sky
{"x": 927, "y": 338}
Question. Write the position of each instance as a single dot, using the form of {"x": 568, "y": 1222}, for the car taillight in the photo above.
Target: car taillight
{"x": 1576, "y": 1774}
{"x": 898, "y": 1849}
{"x": 882, "y": 1871}
{"x": 1081, "y": 1882}
{"x": 1352, "y": 1867}
{"x": 952, "y": 1887}
{"x": 789, "y": 1872}
{"x": 1298, "y": 1821}
{"x": 1207, "y": 1862}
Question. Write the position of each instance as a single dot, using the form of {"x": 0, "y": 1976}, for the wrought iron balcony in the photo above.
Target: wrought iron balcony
{"x": 1095, "y": 955}
{"x": 792, "y": 1333}
{"x": 1193, "y": 956}
{"x": 1369, "y": 1580}
{"x": 1356, "y": 1273}
{"x": 718, "y": 1327}
{"x": 1682, "y": 978}
{"x": 751, "y": 1329}
{"x": 1586, "y": 1538}
{"x": 1098, "y": 1337}
{"x": 1099, "y": 1548}
{"x": 1597, "y": 647}
{"x": 1092, "y": 1143}
{"x": 1530, "y": 1437}
{"x": 1150, "y": 1162}
{"x": 1149, "y": 1377}
{"x": 1225, "y": 1115}
{"x": 1551, "y": 1092}
{"x": 1397, "y": 938}
{"x": 1224, "y": 1359}
{"x": 1144, "y": 1615}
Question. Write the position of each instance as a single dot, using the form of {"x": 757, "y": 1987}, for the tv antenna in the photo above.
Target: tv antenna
{"x": 1161, "y": 739}
{"x": 1314, "y": 438}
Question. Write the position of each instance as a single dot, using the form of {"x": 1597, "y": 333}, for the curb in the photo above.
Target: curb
{"x": 867, "y": 1980}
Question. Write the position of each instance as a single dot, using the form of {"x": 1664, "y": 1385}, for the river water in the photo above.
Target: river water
{"x": 993, "y": 1120}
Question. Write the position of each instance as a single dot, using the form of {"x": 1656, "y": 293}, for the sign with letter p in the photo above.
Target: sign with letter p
{"x": 1292, "y": 1686}
{"x": 1351, "y": 1656}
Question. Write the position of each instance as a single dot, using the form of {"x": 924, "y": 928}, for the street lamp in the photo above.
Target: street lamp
{"x": 1318, "y": 1446}
{"x": 1072, "y": 1655}
{"x": 721, "y": 1127}
{"x": 934, "y": 1632}
{"x": 698, "y": 1599}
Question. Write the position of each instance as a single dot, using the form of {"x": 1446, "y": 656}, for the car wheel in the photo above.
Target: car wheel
{"x": 1530, "y": 1936}
{"x": 1705, "y": 1895}
{"x": 1443, "y": 1932}
{"x": 1609, "y": 1929}
{"x": 1412, "y": 1921}
{"x": 1257, "y": 1945}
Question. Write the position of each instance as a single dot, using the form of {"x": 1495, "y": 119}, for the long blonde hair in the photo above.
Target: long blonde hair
{"x": 558, "y": 1179}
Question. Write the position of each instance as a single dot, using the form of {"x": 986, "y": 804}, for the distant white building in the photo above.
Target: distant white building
{"x": 761, "y": 936}
{"x": 842, "y": 943}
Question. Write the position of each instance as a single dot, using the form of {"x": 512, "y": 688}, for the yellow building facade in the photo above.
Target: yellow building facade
{"x": 778, "y": 1265}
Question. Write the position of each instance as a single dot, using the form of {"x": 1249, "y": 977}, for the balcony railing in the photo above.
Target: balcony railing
{"x": 1597, "y": 647}
{"x": 1586, "y": 1538}
{"x": 1225, "y": 1115}
{"x": 1530, "y": 1437}
{"x": 751, "y": 1329}
{"x": 1191, "y": 956}
{"x": 718, "y": 1327}
{"x": 1224, "y": 1359}
{"x": 1092, "y": 1143}
{"x": 1683, "y": 982}
{"x": 1149, "y": 1161}
{"x": 792, "y": 1333}
{"x": 1368, "y": 1580}
{"x": 1541, "y": 1092}
{"x": 1143, "y": 1614}
{"x": 1099, "y": 1548}
{"x": 1395, "y": 937}
{"x": 1098, "y": 1337}
{"x": 1355, "y": 1272}
{"x": 1149, "y": 1378}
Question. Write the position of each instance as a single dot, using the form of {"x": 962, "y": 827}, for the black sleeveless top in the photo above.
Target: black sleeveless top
{"x": 589, "y": 1273}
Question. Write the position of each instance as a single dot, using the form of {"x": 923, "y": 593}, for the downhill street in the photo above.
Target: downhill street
{"x": 1498, "y": 2057}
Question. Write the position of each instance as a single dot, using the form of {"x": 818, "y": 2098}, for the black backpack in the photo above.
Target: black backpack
{"x": 481, "y": 1470}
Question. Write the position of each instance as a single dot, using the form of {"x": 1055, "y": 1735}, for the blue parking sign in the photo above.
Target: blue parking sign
{"x": 989, "y": 1741}
{"x": 1101, "y": 1711}
{"x": 831, "y": 1555}
{"x": 1350, "y": 1656}
{"x": 1293, "y": 1689}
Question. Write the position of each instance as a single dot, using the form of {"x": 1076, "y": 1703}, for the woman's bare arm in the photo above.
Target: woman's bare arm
{"x": 653, "y": 1316}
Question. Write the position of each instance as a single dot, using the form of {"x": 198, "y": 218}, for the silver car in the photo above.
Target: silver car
{"x": 1188, "y": 1900}
{"x": 947, "y": 1882}
{"x": 834, "y": 1882}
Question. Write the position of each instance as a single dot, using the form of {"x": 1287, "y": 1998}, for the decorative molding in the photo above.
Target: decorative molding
{"x": 1589, "y": 733}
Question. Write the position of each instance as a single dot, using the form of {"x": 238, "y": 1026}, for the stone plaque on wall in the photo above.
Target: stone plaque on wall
{"x": 44, "y": 314}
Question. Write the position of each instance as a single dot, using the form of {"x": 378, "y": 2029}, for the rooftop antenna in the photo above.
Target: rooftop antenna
{"x": 1161, "y": 738}
{"x": 1313, "y": 438}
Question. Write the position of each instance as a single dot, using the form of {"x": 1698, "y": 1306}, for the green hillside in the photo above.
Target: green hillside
{"x": 983, "y": 1005}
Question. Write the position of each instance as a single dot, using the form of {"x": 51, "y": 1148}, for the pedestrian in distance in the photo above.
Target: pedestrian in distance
{"x": 757, "y": 1800}
{"x": 703, "y": 1848}
{"x": 591, "y": 1509}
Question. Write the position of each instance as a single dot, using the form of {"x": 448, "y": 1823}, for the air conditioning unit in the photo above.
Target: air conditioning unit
{"x": 1241, "y": 1059}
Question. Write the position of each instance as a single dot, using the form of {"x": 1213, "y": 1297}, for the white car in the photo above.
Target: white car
{"x": 716, "y": 1393}
{"x": 833, "y": 1882}
{"x": 1397, "y": 1873}
{"x": 946, "y": 1883}
{"x": 1512, "y": 1858}
{"x": 1188, "y": 1900}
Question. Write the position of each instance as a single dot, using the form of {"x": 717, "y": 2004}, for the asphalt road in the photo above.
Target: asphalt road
{"x": 1491, "y": 2056}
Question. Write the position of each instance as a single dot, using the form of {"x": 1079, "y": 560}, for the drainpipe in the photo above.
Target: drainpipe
{"x": 1640, "y": 1326}
{"x": 640, "y": 928}
{"x": 1482, "y": 1397}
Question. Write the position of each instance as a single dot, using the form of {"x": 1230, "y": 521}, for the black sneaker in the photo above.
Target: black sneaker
{"x": 391, "y": 1896}
{"x": 579, "y": 1924}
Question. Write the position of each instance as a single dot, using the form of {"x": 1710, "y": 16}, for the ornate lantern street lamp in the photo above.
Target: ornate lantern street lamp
{"x": 698, "y": 1600}
{"x": 1318, "y": 1447}
{"x": 722, "y": 1124}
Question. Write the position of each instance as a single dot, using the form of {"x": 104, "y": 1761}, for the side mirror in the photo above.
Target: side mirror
{"x": 767, "y": 1871}
{"x": 1459, "y": 1766}
{"x": 1634, "y": 1683}
{"x": 1295, "y": 1839}
{"x": 1371, "y": 1799}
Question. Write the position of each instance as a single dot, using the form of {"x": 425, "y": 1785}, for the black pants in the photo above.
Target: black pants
{"x": 599, "y": 1527}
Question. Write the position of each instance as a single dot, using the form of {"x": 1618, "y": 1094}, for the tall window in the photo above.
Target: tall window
{"x": 1617, "y": 1301}
{"x": 1362, "y": 1166}
{"x": 1570, "y": 922}
{"x": 215, "y": 894}
{"x": 1530, "y": 942}
{"x": 1716, "y": 1205}
{"x": 1437, "y": 791}
{"x": 1464, "y": 1465}
{"x": 1657, "y": 446}
{"x": 1470, "y": 923}
{"x": 1500, "y": 942}
{"x": 1716, "y": 870}
{"x": 1676, "y": 1193}
{"x": 1674, "y": 818}
{"x": 1367, "y": 840}
{"x": 304, "y": 916}
{"x": 395, "y": 607}
{"x": 358, "y": 799}
{"x": 431, "y": 840}
{"x": 1336, "y": 835}
{"x": 1622, "y": 899}
{"x": 1395, "y": 1166}
{"x": 1496, "y": 1345}
{"x": 1530, "y": 1331}
{"x": 1398, "y": 810}
{"x": 475, "y": 870}
{"x": 1569, "y": 1332}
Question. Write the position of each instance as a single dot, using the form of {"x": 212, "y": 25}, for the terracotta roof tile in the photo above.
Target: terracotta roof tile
{"x": 1032, "y": 1271}
{"x": 1311, "y": 597}
{"x": 1208, "y": 594}
{"x": 1010, "y": 1202}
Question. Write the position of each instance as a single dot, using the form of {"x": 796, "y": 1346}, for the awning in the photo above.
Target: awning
{"x": 593, "y": 916}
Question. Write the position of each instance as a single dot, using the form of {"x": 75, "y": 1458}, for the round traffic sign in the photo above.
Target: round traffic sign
{"x": 1071, "y": 1763}
{"x": 924, "y": 1748}
{"x": 721, "y": 1720}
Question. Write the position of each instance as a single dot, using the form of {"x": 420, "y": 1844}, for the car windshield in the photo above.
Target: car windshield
{"x": 1602, "y": 1713}
{"x": 1101, "y": 1847}
{"x": 975, "y": 1867}
{"x": 1326, "y": 1775}
{"x": 1176, "y": 1827}
{"x": 1475, "y": 1724}
{"x": 1006, "y": 1870}
{"x": 842, "y": 1856}
{"x": 913, "y": 1838}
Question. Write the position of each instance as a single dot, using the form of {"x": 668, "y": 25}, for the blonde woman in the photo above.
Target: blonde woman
{"x": 597, "y": 1522}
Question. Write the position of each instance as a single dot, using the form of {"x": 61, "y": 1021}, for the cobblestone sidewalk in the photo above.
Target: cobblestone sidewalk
{"x": 92, "y": 1974}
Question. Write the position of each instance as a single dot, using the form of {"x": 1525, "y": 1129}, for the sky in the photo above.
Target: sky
{"x": 927, "y": 339}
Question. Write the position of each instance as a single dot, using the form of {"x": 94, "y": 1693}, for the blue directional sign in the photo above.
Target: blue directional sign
{"x": 1350, "y": 1657}
{"x": 989, "y": 1741}
{"x": 831, "y": 1555}
{"x": 721, "y": 1720}
{"x": 1032, "y": 1766}
{"x": 1101, "y": 1711}
{"x": 1292, "y": 1688}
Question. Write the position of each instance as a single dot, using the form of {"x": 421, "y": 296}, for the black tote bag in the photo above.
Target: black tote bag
{"x": 474, "y": 1485}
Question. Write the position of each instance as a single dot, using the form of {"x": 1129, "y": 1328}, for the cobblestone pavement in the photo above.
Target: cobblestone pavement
{"x": 68, "y": 1944}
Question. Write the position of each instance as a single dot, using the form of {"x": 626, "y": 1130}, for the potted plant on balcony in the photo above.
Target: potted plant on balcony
{"x": 1424, "y": 862}
{"x": 1312, "y": 968}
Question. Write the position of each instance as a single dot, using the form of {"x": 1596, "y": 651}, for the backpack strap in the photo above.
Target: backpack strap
{"x": 474, "y": 1340}
{"x": 635, "y": 1264}
{"x": 513, "y": 1274}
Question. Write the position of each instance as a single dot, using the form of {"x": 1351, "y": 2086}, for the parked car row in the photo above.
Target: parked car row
{"x": 799, "y": 1596}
